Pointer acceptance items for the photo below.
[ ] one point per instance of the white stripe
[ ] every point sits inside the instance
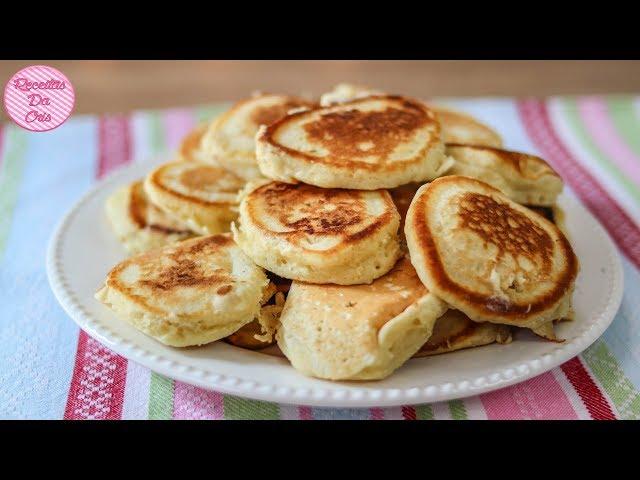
(141, 137)
(587, 160)
(136, 392)
(441, 411)
(393, 413)
(289, 412)
(475, 409)
(572, 394)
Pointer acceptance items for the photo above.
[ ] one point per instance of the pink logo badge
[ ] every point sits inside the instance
(39, 98)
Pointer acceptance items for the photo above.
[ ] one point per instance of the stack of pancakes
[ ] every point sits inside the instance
(347, 234)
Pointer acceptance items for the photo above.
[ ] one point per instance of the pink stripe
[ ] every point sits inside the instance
(593, 111)
(377, 414)
(177, 123)
(97, 386)
(624, 231)
(306, 413)
(115, 143)
(193, 403)
(540, 398)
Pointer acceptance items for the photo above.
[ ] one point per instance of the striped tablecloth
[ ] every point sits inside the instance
(49, 369)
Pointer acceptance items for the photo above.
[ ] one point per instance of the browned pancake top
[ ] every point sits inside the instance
(142, 211)
(308, 210)
(181, 269)
(317, 210)
(355, 133)
(352, 136)
(508, 229)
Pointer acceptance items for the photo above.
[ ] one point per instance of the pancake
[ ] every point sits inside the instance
(230, 139)
(139, 224)
(455, 331)
(460, 128)
(191, 293)
(200, 195)
(491, 258)
(318, 235)
(368, 143)
(524, 178)
(357, 332)
(190, 147)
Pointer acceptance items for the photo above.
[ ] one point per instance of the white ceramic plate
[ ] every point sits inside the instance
(83, 249)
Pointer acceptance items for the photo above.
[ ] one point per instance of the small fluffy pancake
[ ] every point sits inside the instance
(230, 139)
(488, 256)
(368, 143)
(190, 148)
(140, 225)
(191, 293)
(458, 127)
(455, 331)
(524, 178)
(318, 235)
(357, 332)
(199, 194)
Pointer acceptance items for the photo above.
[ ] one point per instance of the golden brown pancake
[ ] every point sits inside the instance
(368, 143)
(190, 293)
(357, 332)
(488, 256)
(319, 235)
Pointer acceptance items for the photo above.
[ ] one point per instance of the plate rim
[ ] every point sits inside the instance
(320, 397)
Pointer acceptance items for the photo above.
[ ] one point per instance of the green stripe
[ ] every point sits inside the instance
(573, 117)
(160, 398)
(424, 412)
(207, 113)
(241, 409)
(624, 119)
(12, 168)
(458, 410)
(607, 371)
(157, 139)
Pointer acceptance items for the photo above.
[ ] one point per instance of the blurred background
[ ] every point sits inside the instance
(113, 86)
